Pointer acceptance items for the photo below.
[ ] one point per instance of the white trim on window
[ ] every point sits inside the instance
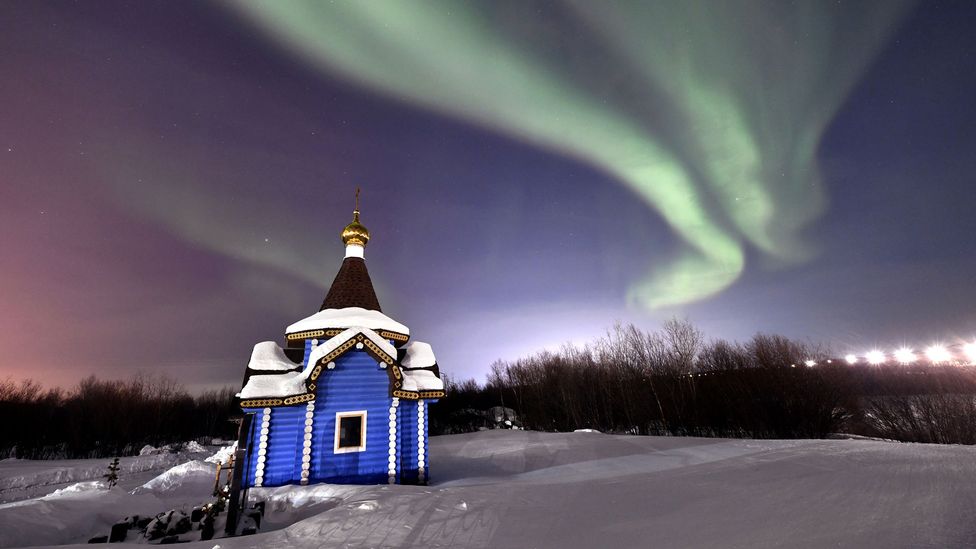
(362, 434)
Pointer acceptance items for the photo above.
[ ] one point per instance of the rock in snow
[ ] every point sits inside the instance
(170, 523)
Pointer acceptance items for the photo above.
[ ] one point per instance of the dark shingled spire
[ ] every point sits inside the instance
(352, 287)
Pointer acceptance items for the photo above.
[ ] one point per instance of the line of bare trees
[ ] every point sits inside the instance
(669, 382)
(675, 382)
(101, 418)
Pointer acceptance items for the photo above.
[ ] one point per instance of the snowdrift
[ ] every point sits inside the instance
(527, 489)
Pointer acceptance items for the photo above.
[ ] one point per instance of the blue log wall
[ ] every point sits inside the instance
(408, 441)
(251, 456)
(287, 423)
(356, 383)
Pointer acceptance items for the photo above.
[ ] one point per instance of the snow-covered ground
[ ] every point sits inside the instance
(527, 489)
(22, 478)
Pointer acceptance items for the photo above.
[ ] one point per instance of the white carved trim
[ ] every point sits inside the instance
(392, 472)
(307, 442)
(421, 462)
(264, 431)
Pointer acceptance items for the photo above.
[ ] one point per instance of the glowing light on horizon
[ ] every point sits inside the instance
(851, 359)
(875, 357)
(905, 355)
(938, 354)
(811, 363)
(969, 349)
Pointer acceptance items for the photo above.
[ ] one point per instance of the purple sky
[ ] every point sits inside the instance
(173, 182)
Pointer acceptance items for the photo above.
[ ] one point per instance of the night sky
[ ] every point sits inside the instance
(174, 176)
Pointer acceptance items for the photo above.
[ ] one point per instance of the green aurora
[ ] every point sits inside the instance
(710, 112)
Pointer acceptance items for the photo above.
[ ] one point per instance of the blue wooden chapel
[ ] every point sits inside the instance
(346, 400)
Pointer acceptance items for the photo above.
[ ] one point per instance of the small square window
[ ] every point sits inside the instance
(350, 435)
(350, 431)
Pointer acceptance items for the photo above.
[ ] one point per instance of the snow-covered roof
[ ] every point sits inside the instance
(419, 355)
(272, 373)
(347, 318)
(421, 380)
(274, 385)
(268, 356)
(334, 342)
(274, 380)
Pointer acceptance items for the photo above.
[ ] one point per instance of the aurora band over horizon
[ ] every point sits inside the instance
(711, 112)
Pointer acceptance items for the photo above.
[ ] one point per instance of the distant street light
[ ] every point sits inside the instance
(905, 355)
(851, 359)
(875, 357)
(937, 354)
(970, 350)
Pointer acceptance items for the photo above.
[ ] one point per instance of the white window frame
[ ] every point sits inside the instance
(362, 435)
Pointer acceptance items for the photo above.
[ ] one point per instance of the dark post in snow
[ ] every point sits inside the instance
(235, 502)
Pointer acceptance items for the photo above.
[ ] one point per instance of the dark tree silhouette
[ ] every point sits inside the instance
(673, 382)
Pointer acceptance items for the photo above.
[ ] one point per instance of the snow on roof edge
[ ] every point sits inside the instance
(285, 383)
(274, 385)
(424, 380)
(348, 317)
(267, 356)
(418, 355)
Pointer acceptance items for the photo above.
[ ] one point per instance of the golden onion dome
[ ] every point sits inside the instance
(355, 232)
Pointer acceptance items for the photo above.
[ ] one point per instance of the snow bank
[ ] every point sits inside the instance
(79, 488)
(194, 447)
(189, 447)
(285, 498)
(223, 455)
(347, 318)
(510, 489)
(192, 471)
(26, 478)
(75, 513)
(849, 436)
